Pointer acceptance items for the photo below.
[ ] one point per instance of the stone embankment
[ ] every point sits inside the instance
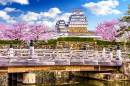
(122, 74)
(68, 46)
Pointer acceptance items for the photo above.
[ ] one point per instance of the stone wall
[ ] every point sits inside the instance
(77, 30)
(68, 46)
(123, 75)
(89, 46)
(16, 46)
(103, 76)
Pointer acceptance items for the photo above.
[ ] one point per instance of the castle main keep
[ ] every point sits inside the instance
(77, 24)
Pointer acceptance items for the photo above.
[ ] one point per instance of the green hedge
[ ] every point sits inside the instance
(128, 43)
(99, 42)
(8, 41)
(76, 39)
(51, 41)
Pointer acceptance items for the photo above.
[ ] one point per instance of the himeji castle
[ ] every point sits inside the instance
(77, 24)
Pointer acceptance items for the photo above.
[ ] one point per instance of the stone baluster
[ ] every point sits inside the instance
(53, 53)
(71, 53)
(11, 50)
(118, 52)
(103, 52)
(31, 49)
(57, 53)
(111, 54)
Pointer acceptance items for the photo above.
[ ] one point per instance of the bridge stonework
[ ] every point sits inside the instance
(18, 69)
(124, 73)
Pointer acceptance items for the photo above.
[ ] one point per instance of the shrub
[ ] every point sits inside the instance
(8, 41)
(51, 41)
(117, 72)
(76, 39)
(99, 42)
(114, 56)
(128, 43)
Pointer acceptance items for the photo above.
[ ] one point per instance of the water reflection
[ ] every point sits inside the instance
(63, 78)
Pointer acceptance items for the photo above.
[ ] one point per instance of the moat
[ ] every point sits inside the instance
(61, 78)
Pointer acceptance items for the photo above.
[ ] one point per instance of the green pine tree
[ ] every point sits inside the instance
(126, 28)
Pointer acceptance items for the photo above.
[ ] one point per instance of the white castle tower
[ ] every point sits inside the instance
(77, 24)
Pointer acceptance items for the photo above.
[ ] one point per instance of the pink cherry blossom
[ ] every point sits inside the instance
(108, 30)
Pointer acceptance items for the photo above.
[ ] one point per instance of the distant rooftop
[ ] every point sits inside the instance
(77, 9)
(61, 21)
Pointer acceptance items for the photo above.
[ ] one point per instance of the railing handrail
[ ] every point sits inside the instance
(60, 53)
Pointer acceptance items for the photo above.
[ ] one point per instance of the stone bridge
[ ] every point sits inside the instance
(15, 61)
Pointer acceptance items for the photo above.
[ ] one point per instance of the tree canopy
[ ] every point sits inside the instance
(125, 29)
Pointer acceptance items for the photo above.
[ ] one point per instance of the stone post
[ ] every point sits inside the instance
(84, 47)
(111, 54)
(71, 53)
(11, 50)
(103, 52)
(53, 54)
(118, 52)
(29, 78)
(31, 49)
(84, 51)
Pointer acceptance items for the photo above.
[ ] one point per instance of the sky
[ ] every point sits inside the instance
(48, 12)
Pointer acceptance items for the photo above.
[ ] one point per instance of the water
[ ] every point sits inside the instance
(63, 79)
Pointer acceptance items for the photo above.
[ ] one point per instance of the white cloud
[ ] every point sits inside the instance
(48, 18)
(52, 13)
(64, 17)
(49, 24)
(31, 22)
(5, 2)
(39, 22)
(28, 17)
(11, 21)
(8, 9)
(43, 17)
(4, 15)
(115, 12)
(102, 7)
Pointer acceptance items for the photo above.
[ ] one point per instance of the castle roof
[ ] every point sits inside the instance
(77, 10)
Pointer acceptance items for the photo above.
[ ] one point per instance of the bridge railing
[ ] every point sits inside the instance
(125, 56)
(57, 54)
(62, 54)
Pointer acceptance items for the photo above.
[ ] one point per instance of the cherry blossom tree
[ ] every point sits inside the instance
(39, 32)
(15, 32)
(108, 30)
(2, 26)
(21, 31)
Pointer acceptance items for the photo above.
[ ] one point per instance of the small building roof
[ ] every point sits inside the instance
(77, 10)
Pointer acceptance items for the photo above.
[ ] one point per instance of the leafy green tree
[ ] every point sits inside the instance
(125, 29)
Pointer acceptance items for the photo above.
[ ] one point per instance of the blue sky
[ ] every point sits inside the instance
(47, 12)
